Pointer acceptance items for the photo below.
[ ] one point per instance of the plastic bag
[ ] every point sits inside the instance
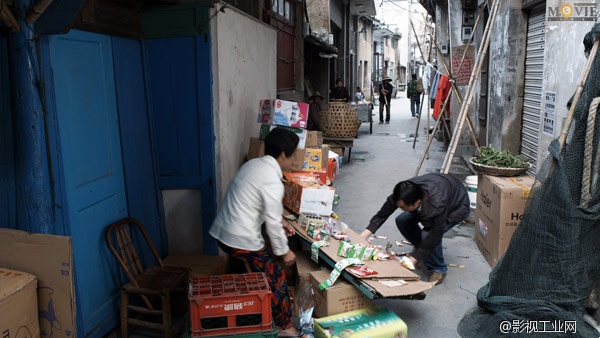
(303, 307)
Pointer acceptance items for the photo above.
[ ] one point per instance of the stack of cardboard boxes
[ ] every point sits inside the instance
(314, 166)
(500, 205)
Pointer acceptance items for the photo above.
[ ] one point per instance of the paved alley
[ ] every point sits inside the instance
(379, 161)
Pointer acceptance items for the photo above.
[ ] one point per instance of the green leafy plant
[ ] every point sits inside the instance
(499, 158)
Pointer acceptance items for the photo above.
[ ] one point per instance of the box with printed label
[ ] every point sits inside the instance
(376, 322)
(500, 205)
(304, 193)
(310, 159)
(283, 113)
(18, 304)
(340, 297)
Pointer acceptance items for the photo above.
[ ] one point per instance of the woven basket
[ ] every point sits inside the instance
(339, 120)
(496, 171)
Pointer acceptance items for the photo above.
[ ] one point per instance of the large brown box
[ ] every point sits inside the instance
(200, 265)
(50, 259)
(500, 205)
(338, 298)
(18, 305)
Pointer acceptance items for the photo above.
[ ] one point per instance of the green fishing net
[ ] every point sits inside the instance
(548, 278)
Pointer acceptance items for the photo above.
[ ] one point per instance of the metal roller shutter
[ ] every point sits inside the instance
(532, 97)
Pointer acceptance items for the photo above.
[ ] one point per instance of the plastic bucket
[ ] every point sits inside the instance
(471, 182)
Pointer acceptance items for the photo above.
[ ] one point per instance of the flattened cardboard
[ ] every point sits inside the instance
(18, 305)
(50, 259)
(385, 269)
(411, 288)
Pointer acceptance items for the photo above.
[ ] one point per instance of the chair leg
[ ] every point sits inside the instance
(166, 314)
(124, 303)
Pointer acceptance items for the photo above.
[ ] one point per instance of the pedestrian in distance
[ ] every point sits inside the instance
(253, 201)
(360, 97)
(385, 99)
(339, 92)
(414, 95)
(314, 112)
(432, 204)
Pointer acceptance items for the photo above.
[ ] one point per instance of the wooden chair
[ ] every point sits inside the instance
(153, 284)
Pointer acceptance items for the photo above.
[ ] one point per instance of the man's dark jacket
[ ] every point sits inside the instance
(387, 86)
(445, 201)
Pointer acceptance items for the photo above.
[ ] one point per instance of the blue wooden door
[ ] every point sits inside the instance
(92, 171)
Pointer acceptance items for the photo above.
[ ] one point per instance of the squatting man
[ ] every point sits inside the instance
(438, 202)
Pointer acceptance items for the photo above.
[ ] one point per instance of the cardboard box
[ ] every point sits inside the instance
(18, 305)
(283, 113)
(338, 298)
(371, 322)
(304, 266)
(311, 159)
(314, 138)
(50, 259)
(199, 265)
(500, 205)
(302, 133)
(304, 193)
(256, 148)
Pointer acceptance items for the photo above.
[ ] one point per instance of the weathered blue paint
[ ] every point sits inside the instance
(180, 97)
(143, 198)
(32, 174)
(82, 100)
(8, 217)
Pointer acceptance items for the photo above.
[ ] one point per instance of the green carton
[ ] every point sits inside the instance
(369, 322)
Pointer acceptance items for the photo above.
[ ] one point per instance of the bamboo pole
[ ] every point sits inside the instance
(423, 94)
(443, 110)
(471, 87)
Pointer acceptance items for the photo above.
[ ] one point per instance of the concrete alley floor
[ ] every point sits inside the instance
(379, 161)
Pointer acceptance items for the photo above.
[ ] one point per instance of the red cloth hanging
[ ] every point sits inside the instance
(443, 90)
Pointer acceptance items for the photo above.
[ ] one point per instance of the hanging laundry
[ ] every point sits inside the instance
(434, 84)
(429, 71)
(443, 89)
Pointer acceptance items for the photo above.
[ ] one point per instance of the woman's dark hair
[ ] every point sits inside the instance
(408, 192)
(414, 76)
(281, 140)
(339, 80)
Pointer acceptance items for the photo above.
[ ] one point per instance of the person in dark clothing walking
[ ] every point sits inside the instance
(414, 95)
(339, 92)
(385, 98)
(438, 202)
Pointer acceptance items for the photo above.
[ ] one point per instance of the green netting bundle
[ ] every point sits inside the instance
(552, 265)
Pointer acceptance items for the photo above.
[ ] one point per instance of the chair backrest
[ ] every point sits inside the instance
(121, 244)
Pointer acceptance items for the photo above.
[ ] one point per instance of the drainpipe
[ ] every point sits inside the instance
(32, 174)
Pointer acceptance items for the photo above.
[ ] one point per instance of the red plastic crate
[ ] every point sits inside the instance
(230, 304)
